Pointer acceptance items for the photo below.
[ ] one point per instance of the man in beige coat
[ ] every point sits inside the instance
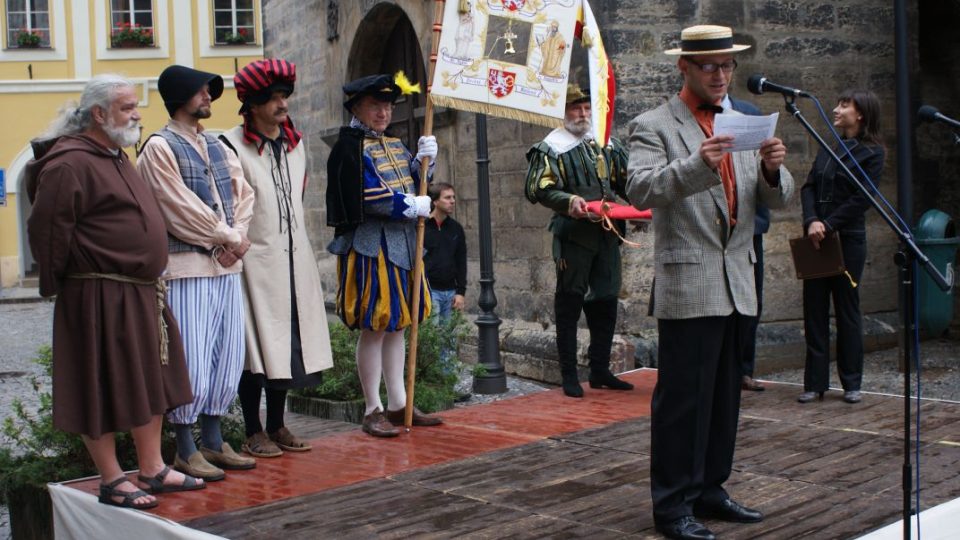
(288, 342)
(703, 198)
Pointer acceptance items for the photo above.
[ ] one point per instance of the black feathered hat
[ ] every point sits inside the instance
(178, 85)
(380, 87)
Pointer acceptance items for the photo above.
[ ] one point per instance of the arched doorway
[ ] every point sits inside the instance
(386, 42)
(27, 266)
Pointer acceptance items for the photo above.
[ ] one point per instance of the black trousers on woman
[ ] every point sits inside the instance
(846, 307)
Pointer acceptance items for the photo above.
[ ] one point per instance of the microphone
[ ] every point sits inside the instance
(926, 113)
(758, 84)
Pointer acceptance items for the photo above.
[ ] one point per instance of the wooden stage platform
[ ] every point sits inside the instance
(547, 466)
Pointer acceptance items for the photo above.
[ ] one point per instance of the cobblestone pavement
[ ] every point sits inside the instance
(24, 327)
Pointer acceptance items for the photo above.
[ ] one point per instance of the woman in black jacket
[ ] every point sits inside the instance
(832, 202)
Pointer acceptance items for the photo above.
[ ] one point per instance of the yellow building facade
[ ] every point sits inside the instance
(52, 47)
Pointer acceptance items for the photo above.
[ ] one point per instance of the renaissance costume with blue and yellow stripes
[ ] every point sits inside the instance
(371, 182)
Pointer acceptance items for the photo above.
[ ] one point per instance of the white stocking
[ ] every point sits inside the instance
(394, 354)
(369, 367)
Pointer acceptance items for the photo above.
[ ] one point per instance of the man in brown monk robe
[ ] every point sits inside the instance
(101, 243)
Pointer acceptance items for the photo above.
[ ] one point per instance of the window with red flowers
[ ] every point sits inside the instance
(28, 24)
(131, 23)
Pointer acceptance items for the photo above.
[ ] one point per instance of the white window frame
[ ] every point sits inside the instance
(205, 29)
(28, 5)
(161, 34)
(233, 23)
(58, 39)
(132, 15)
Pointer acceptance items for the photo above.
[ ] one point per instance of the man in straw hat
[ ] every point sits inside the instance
(207, 205)
(372, 203)
(704, 198)
(567, 169)
(286, 322)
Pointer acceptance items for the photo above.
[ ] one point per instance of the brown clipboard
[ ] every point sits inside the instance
(812, 263)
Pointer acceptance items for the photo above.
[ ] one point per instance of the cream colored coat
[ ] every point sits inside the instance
(266, 285)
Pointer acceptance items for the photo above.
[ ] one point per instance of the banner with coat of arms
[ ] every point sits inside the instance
(507, 58)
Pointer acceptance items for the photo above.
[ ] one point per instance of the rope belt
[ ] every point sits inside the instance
(161, 288)
(608, 225)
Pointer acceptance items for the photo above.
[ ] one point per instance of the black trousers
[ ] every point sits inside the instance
(748, 354)
(846, 307)
(588, 281)
(695, 410)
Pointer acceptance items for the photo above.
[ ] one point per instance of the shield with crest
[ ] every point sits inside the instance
(500, 82)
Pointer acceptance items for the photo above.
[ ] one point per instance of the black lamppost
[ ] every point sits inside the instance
(493, 379)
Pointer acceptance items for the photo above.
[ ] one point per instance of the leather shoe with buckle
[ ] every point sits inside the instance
(685, 528)
(377, 425)
(419, 418)
(749, 383)
(727, 510)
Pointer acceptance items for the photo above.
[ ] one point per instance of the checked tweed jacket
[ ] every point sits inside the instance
(703, 269)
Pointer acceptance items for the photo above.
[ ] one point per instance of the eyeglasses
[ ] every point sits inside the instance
(727, 66)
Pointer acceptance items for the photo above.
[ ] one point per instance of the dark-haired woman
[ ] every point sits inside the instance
(833, 203)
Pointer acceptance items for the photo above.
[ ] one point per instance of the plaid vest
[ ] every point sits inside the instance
(198, 176)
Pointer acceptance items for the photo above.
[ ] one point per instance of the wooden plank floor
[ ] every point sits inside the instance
(546, 466)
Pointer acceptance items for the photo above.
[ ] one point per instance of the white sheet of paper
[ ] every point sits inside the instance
(748, 131)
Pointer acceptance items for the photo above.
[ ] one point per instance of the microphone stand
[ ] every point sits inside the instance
(904, 259)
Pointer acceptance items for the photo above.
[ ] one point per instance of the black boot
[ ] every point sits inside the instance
(566, 308)
(602, 321)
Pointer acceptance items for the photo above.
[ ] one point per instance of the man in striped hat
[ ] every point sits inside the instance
(287, 339)
(207, 205)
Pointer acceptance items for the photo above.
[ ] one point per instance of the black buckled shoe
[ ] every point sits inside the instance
(727, 510)
(685, 528)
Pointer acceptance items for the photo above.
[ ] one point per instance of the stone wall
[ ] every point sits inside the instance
(820, 46)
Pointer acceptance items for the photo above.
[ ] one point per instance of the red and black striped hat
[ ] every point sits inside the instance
(258, 80)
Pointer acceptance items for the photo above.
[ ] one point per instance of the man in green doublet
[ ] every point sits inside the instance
(567, 169)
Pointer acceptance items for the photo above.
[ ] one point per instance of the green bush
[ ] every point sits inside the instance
(434, 387)
(40, 453)
(43, 453)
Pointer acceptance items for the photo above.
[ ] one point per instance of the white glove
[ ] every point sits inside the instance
(417, 206)
(427, 147)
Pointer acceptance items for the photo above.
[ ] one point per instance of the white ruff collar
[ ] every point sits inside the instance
(560, 140)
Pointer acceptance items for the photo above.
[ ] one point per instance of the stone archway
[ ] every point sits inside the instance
(386, 42)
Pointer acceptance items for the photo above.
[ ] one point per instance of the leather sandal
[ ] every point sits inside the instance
(155, 484)
(288, 441)
(259, 445)
(109, 491)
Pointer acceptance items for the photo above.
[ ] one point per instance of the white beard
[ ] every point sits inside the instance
(123, 136)
(578, 129)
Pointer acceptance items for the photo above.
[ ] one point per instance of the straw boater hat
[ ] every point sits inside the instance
(706, 39)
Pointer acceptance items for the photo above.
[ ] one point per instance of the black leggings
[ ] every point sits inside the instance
(251, 386)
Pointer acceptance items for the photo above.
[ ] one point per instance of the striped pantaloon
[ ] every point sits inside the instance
(209, 311)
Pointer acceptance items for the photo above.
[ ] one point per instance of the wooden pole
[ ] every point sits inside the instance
(418, 259)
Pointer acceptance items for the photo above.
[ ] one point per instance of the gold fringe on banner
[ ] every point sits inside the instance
(496, 110)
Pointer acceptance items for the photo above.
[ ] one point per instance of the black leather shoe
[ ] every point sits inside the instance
(599, 379)
(685, 528)
(728, 510)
